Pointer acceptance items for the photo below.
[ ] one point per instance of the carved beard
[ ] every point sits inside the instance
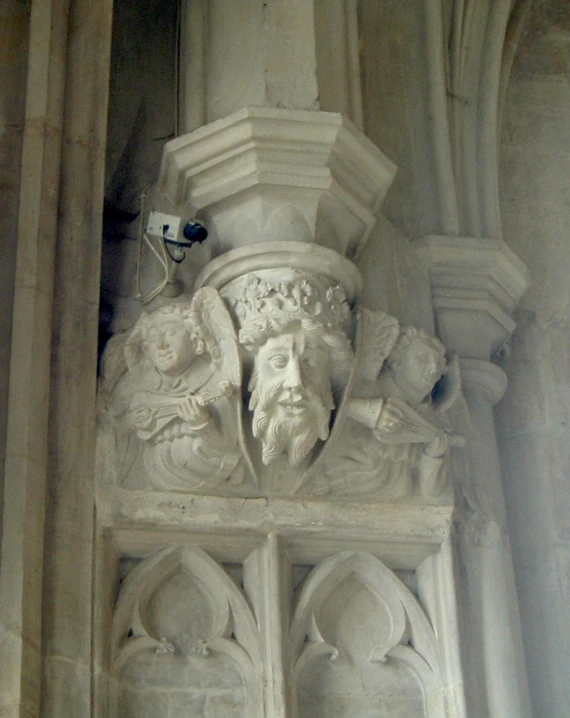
(295, 434)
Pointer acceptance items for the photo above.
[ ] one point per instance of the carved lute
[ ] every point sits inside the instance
(167, 406)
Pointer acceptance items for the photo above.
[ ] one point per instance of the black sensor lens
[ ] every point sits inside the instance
(195, 232)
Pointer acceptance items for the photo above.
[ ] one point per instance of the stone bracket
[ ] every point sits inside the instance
(476, 283)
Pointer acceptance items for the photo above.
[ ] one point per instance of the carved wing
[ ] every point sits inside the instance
(115, 387)
(378, 335)
(113, 365)
(218, 333)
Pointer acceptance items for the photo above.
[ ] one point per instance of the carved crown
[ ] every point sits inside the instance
(277, 298)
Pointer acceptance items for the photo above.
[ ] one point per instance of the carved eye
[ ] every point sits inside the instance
(279, 361)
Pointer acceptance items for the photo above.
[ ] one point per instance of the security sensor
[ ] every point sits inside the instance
(165, 226)
(177, 232)
(172, 236)
(194, 231)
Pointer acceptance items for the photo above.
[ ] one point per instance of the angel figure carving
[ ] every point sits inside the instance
(395, 441)
(175, 397)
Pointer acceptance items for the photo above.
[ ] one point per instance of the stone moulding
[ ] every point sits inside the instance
(401, 534)
(217, 622)
(408, 636)
(316, 162)
(274, 255)
(477, 278)
(484, 377)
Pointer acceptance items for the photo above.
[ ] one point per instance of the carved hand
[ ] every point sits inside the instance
(399, 423)
(438, 446)
(191, 410)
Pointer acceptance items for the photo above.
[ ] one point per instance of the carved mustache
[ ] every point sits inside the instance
(299, 433)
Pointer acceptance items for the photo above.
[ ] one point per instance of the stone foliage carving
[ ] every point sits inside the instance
(278, 386)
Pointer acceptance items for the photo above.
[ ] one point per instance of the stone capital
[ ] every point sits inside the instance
(268, 175)
(476, 283)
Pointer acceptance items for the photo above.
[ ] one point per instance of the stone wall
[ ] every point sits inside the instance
(534, 417)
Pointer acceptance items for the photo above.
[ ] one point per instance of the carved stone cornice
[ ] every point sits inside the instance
(265, 174)
(476, 283)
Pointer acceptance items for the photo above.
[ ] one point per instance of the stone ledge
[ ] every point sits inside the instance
(402, 535)
(476, 284)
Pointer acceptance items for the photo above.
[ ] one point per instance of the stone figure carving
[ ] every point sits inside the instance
(176, 396)
(317, 412)
(395, 438)
(293, 330)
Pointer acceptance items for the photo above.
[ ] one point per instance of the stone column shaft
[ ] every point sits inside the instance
(25, 470)
(67, 617)
(486, 555)
(475, 286)
(290, 54)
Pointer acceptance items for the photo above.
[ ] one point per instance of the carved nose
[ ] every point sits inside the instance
(293, 377)
(162, 344)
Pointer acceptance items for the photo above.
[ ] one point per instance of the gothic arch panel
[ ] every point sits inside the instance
(184, 641)
(360, 642)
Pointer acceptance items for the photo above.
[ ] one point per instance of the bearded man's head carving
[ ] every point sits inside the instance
(299, 367)
(293, 328)
(291, 396)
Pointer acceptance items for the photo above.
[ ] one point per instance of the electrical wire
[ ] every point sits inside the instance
(177, 44)
(165, 254)
(163, 259)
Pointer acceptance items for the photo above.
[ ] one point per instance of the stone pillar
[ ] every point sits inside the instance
(291, 54)
(494, 625)
(475, 286)
(67, 615)
(31, 207)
